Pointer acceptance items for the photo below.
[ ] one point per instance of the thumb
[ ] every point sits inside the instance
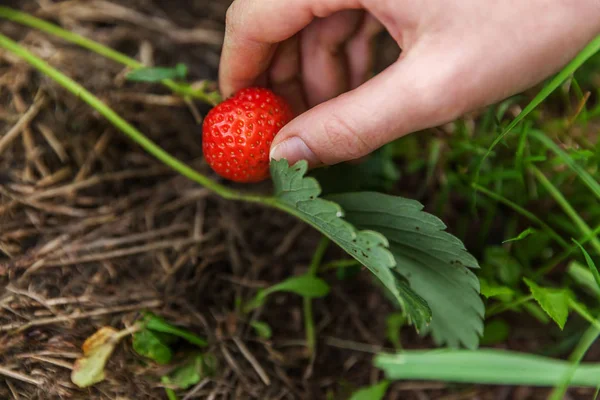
(415, 93)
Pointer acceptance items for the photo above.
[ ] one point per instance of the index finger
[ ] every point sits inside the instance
(255, 27)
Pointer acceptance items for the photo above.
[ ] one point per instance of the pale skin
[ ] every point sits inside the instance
(457, 56)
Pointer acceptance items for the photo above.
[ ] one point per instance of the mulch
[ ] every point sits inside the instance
(93, 231)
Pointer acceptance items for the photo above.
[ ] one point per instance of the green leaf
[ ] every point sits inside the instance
(257, 301)
(299, 196)
(375, 392)
(435, 263)
(555, 302)
(191, 372)
(97, 349)
(484, 366)
(304, 285)
(156, 323)
(393, 325)
(527, 232)
(157, 74)
(262, 329)
(307, 285)
(584, 277)
(188, 374)
(590, 263)
(378, 172)
(492, 290)
(420, 313)
(147, 344)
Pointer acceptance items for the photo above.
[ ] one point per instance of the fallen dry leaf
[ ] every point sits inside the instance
(89, 369)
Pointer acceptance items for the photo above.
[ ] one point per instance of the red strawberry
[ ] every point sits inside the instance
(237, 134)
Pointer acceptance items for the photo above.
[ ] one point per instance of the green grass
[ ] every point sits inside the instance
(545, 176)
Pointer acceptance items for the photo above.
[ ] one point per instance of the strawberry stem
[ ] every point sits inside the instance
(211, 98)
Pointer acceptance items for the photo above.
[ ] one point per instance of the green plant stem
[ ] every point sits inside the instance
(567, 208)
(127, 128)
(500, 308)
(309, 323)
(527, 214)
(40, 24)
(171, 395)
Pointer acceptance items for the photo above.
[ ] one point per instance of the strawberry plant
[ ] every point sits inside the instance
(426, 270)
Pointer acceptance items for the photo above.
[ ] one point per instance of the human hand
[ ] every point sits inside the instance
(457, 56)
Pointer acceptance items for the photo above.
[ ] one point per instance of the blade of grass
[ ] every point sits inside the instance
(501, 307)
(565, 254)
(527, 214)
(585, 176)
(484, 366)
(582, 276)
(567, 208)
(44, 26)
(592, 48)
(521, 148)
(590, 263)
(524, 234)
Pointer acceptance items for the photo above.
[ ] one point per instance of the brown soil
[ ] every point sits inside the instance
(93, 231)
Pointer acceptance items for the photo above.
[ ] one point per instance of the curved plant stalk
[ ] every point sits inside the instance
(309, 323)
(550, 265)
(138, 137)
(127, 128)
(529, 215)
(148, 145)
(566, 206)
(211, 98)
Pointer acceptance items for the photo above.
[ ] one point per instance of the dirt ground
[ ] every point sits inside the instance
(93, 230)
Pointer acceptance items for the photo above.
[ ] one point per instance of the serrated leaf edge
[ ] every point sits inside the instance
(301, 167)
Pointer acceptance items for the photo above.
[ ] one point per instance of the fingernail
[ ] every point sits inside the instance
(294, 149)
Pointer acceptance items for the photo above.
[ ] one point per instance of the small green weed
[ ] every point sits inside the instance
(528, 178)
